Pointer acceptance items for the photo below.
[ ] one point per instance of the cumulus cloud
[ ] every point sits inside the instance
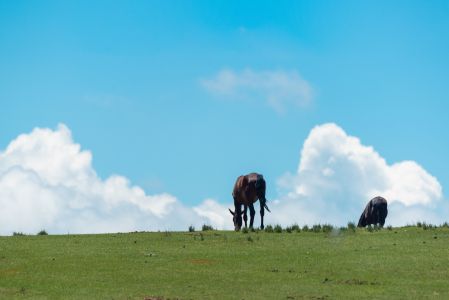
(337, 175)
(48, 182)
(280, 89)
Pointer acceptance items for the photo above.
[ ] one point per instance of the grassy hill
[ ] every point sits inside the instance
(401, 263)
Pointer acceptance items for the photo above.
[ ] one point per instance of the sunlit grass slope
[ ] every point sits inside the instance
(400, 263)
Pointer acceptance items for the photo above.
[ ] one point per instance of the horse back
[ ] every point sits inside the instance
(244, 191)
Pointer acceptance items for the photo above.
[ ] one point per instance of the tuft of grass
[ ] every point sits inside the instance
(42, 232)
(191, 228)
(351, 226)
(249, 239)
(295, 227)
(316, 228)
(389, 227)
(426, 226)
(370, 228)
(207, 227)
(245, 230)
(278, 228)
(444, 225)
(269, 229)
(327, 228)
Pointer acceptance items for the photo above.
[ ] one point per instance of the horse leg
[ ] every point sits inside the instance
(252, 213)
(245, 217)
(262, 212)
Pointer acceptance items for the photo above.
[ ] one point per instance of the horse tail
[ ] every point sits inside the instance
(264, 204)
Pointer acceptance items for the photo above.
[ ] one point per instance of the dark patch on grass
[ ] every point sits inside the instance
(42, 232)
(351, 282)
(358, 282)
(245, 230)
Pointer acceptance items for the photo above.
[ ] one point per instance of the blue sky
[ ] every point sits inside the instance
(127, 78)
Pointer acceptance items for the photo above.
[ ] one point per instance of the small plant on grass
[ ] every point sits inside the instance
(207, 227)
(249, 239)
(389, 227)
(305, 228)
(370, 228)
(245, 230)
(278, 228)
(42, 232)
(191, 228)
(269, 229)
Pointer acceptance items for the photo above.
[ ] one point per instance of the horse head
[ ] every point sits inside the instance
(236, 219)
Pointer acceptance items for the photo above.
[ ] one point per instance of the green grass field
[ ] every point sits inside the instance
(401, 263)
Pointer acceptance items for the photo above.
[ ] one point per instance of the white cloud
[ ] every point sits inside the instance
(337, 175)
(280, 89)
(48, 182)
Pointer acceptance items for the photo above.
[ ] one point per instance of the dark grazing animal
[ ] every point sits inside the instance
(247, 190)
(375, 212)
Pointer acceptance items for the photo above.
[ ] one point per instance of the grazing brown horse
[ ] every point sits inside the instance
(375, 212)
(247, 190)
